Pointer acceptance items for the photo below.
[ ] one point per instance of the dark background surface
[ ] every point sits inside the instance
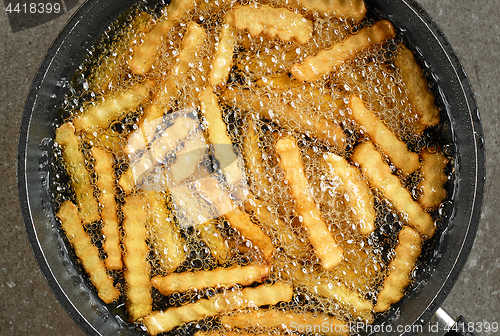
(27, 305)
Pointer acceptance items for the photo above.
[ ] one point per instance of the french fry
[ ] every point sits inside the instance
(145, 54)
(136, 274)
(380, 177)
(433, 179)
(359, 195)
(164, 321)
(326, 248)
(223, 61)
(419, 94)
(166, 236)
(400, 268)
(86, 252)
(181, 282)
(106, 184)
(78, 174)
(395, 149)
(354, 9)
(269, 21)
(326, 61)
(288, 321)
(219, 249)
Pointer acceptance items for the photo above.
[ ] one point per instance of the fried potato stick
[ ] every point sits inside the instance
(269, 21)
(326, 248)
(136, 274)
(395, 149)
(359, 195)
(164, 321)
(326, 61)
(145, 54)
(78, 174)
(223, 61)
(86, 252)
(380, 177)
(400, 268)
(211, 236)
(288, 321)
(354, 9)
(433, 179)
(181, 282)
(104, 169)
(419, 94)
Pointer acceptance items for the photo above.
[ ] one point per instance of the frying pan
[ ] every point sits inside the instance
(64, 275)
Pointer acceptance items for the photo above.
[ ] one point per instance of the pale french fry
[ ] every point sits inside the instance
(164, 321)
(269, 21)
(326, 248)
(395, 149)
(419, 94)
(354, 9)
(86, 252)
(288, 321)
(166, 236)
(380, 177)
(181, 282)
(80, 178)
(144, 55)
(433, 179)
(326, 61)
(136, 274)
(400, 268)
(110, 226)
(219, 249)
(112, 107)
(223, 61)
(359, 195)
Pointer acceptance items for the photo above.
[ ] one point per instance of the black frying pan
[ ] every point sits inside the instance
(65, 276)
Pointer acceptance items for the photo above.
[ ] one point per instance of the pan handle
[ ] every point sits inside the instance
(442, 324)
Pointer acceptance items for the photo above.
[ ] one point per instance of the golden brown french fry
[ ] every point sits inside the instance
(359, 195)
(354, 9)
(288, 321)
(326, 61)
(80, 178)
(400, 268)
(136, 274)
(86, 252)
(211, 236)
(380, 177)
(395, 149)
(433, 179)
(181, 282)
(269, 21)
(145, 54)
(326, 248)
(110, 226)
(166, 320)
(417, 86)
(165, 234)
(223, 61)
(113, 106)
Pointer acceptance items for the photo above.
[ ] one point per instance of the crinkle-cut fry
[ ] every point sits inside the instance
(353, 9)
(212, 237)
(250, 297)
(181, 282)
(286, 116)
(269, 21)
(288, 321)
(325, 246)
(80, 177)
(165, 234)
(433, 179)
(400, 268)
(419, 94)
(113, 106)
(223, 61)
(104, 169)
(379, 133)
(135, 257)
(86, 252)
(145, 54)
(327, 60)
(359, 195)
(380, 177)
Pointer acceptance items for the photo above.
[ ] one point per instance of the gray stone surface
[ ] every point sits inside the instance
(28, 307)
